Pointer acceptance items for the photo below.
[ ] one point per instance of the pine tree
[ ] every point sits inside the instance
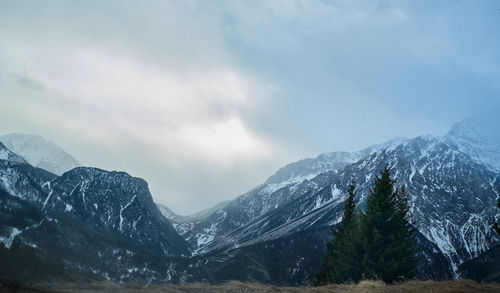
(496, 226)
(405, 236)
(388, 239)
(342, 259)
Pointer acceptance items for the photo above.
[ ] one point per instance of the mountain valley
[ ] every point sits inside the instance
(105, 225)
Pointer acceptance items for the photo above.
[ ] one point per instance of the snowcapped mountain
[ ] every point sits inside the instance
(8, 155)
(167, 213)
(105, 223)
(452, 183)
(311, 167)
(479, 143)
(40, 152)
(87, 221)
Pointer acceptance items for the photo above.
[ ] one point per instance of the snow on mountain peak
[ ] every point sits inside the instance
(310, 167)
(6, 154)
(40, 152)
(466, 129)
(476, 140)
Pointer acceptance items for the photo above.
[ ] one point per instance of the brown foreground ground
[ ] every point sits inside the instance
(237, 287)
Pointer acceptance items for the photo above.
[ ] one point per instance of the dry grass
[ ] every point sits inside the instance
(238, 287)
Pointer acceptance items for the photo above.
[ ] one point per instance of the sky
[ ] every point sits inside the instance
(207, 99)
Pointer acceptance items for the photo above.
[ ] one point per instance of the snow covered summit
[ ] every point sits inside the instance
(40, 152)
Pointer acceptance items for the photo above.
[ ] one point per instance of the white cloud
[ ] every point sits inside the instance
(120, 90)
(219, 138)
(206, 99)
(118, 109)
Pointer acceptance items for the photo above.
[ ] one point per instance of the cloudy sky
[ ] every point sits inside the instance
(206, 99)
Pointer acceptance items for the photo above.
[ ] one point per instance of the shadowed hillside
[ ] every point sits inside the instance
(237, 287)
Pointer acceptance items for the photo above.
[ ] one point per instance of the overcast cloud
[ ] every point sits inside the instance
(206, 99)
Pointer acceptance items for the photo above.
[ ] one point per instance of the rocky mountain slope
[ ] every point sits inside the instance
(105, 223)
(87, 220)
(451, 180)
(40, 152)
(485, 268)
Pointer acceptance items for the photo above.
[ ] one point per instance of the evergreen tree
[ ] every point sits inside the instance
(405, 236)
(388, 238)
(342, 259)
(496, 226)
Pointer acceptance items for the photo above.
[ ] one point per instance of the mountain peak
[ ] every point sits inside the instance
(481, 130)
(8, 155)
(40, 152)
(477, 139)
(467, 129)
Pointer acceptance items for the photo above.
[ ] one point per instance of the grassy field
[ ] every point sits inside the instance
(237, 287)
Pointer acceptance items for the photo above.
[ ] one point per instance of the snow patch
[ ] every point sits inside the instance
(121, 212)
(48, 196)
(203, 239)
(8, 241)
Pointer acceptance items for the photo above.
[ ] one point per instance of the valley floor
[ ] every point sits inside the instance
(237, 287)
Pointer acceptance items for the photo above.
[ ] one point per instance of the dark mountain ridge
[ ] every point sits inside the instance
(451, 180)
(106, 224)
(87, 220)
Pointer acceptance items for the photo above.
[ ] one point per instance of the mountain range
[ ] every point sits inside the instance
(99, 224)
